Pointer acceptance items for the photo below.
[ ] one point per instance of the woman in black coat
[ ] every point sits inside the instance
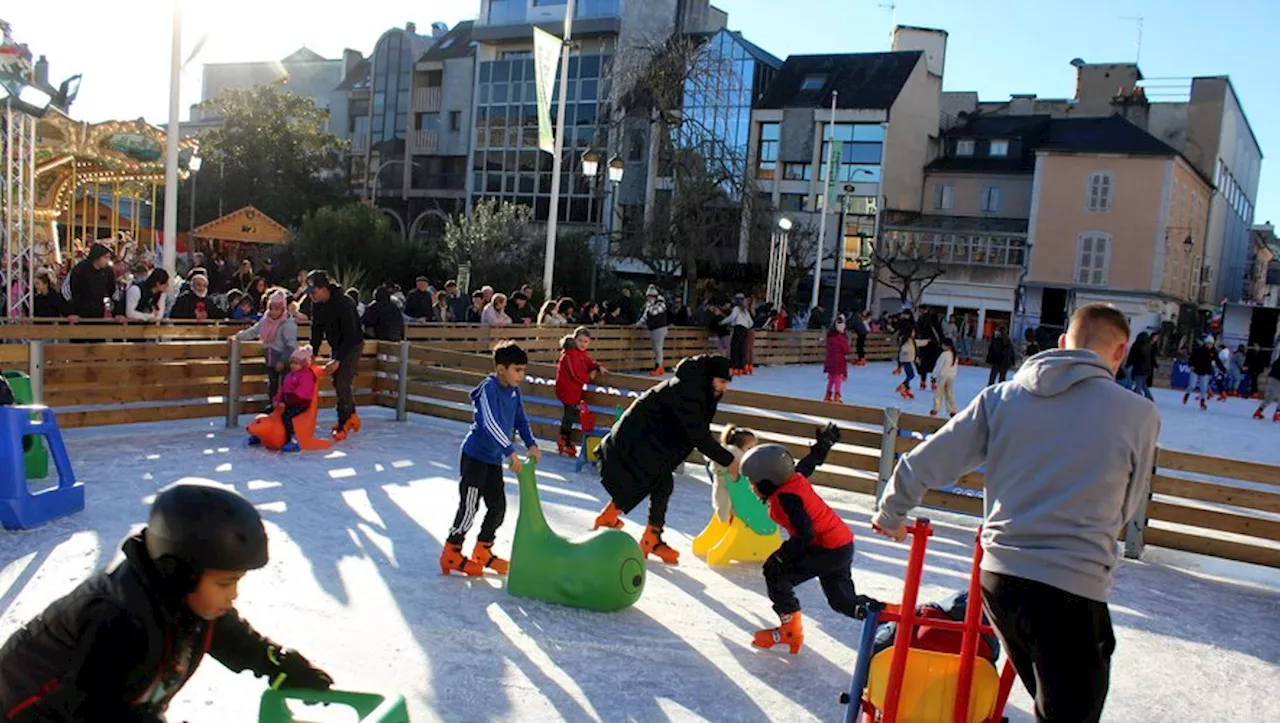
(1142, 365)
(1000, 356)
(654, 436)
(48, 301)
(384, 317)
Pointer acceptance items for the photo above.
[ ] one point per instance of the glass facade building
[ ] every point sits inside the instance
(392, 80)
(507, 162)
(726, 79)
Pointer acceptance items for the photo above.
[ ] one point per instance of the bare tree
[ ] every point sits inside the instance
(686, 92)
(907, 267)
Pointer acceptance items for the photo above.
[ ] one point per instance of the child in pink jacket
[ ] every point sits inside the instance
(296, 393)
(836, 366)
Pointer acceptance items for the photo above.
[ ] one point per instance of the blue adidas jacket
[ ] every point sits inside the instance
(498, 411)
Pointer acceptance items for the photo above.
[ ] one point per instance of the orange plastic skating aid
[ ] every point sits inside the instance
(609, 518)
(651, 544)
(484, 557)
(789, 633)
(451, 560)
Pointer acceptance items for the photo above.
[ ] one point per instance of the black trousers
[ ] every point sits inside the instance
(568, 419)
(1001, 372)
(627, 491)
(275, 377)
(1060, 644)
(738, 347)
(342, 380)
(831, 567)
(861, 346)
(479, 480)
(290, 412)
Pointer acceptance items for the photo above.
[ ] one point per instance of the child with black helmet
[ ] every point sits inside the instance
(819, 545)
(123, 643)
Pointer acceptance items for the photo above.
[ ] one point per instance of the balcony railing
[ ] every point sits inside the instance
(359, 142)
(427, 100)
(974, 249)
(424, 142)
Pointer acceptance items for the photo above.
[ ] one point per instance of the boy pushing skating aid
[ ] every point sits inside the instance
(820, 543)
(123, 643)
(499, 408)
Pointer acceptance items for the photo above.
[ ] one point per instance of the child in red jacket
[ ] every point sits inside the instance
(296, 392)
(574, 370)
(820, 543)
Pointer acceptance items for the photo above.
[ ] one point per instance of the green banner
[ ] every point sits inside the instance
(546, 60)
(833, 173)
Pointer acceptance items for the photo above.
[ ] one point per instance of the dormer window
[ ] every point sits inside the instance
(813, 83)
(964, 147)
(999, 148)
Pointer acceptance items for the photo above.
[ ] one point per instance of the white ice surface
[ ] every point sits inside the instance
(354, 583)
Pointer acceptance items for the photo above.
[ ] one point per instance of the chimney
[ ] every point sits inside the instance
(1022, 104)
(411, 28)
(42, 71)
(439, 30)
(349, 60)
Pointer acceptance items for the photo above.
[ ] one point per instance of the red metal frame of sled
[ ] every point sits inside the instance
(905, 616)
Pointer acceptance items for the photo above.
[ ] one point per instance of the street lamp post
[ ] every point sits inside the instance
(615, 169)
(193, 166)
(778, 245)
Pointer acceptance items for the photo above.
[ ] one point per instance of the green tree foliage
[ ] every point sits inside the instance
(356, 243)
(271, 151)
(498, 243)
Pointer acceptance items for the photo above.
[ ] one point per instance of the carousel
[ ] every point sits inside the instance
(67, 184)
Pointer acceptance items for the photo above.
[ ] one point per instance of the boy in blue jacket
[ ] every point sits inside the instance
(499, 409)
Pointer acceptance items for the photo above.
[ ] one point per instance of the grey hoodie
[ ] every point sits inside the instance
(1068, 455)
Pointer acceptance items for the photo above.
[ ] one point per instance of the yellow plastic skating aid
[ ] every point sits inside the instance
(710, 536)
(725, 542)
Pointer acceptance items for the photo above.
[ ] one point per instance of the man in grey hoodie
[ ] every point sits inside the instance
(1068, 458)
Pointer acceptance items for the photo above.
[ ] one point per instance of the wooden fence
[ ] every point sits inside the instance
(1220, 507)
(618, 348)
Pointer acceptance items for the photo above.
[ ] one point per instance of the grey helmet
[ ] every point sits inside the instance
(768, 466)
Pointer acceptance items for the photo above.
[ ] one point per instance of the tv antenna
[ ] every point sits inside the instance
(1138, 45)
(893, 18)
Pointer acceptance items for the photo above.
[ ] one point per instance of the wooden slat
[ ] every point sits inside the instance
(103, 417)
(1214, 547)
(168, 351)
(13, 354)
(1215, 520)
(1219, 466)
(1210, 492)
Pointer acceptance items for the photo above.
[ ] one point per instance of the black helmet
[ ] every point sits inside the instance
(198, 527)
(768, 466)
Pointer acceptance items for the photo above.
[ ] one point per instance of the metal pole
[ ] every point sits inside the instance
(549, 263)
(888, 450)
(402, 383)
(192, 226)
(822, 223)
(841, 254)
(173, 133)
(35, 369)
(233, 385)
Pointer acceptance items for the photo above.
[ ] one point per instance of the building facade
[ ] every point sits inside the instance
(1117, 216)
(1201, 118)
(303, 72)
(886, 121)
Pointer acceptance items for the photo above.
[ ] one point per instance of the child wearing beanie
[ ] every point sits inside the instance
(296, 393)
(278, 332)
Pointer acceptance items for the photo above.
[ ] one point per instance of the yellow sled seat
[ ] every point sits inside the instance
(725, 542)
(929, 686)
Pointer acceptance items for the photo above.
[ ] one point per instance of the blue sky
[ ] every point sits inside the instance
(996, 47)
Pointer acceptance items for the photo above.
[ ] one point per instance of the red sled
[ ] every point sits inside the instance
(909, 684)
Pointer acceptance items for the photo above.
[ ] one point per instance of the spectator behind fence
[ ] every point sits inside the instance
(459, 302)
(48, 302)
(494, 313)
(476, 310)
(384, 317)
(567, 308)
(92, 283)
(144, 300)
(195, 303)
(417, 305)
(520, 311)
(245, 276)
(550, 316)
(442, 312)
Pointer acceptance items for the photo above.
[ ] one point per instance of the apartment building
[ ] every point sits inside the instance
(303, 72)
(886, 120)
(1202, 118)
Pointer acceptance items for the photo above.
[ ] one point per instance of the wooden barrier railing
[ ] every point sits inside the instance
(1209, 505)
(618, 348)
(1228, 509)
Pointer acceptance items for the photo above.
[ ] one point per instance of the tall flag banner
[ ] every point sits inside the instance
(546, 60)
(833, 173)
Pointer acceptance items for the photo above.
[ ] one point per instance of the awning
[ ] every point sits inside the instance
(248, 225)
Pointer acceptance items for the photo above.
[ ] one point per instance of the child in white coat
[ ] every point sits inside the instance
(945, 373)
